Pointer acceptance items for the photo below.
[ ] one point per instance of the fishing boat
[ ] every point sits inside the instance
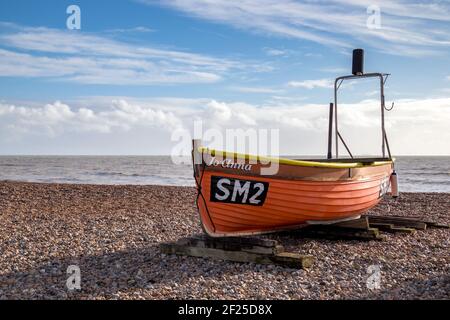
(237, 197)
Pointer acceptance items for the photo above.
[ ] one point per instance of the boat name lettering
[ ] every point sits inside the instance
(229, 190)
(229, 164)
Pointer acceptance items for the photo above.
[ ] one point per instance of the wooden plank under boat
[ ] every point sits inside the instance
(235, 198)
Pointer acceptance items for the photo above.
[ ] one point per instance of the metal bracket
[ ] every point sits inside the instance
(345, 145)
(337, 84)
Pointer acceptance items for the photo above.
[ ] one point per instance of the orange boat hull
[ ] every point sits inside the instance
(232, 202)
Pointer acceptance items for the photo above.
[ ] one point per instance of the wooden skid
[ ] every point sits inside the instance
(357, 229)
(405, 222)
(386, 227)
(368, 227)
(437, 225)
(335, 232)
(246, 244)
(255, 250)
(266, 251)
(360, 224)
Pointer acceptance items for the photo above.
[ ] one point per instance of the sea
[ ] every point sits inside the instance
(416, 174)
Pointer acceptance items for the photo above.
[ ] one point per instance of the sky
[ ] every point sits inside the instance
(139, 74)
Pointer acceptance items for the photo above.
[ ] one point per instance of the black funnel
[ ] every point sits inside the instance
(358, 62)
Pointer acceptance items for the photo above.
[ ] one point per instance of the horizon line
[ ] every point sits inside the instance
(188, 155)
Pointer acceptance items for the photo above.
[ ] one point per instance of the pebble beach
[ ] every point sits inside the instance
(113, 234)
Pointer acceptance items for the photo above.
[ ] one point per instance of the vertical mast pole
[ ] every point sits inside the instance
(330, 132)
(382, 116)
(335, 119)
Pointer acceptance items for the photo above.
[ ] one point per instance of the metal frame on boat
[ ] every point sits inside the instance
(333, 110)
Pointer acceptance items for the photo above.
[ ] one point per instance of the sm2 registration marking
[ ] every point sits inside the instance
(229, 190)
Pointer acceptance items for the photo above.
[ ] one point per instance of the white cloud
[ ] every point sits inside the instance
(257, 90)
(430, 10)
(313, 54)
(336, 23)
(98, 70)
(57, 118)
(372, 93)
(131, 30)
(311, 84)
(86, 58)
(133, 126)
(334, 70)
(275, 52)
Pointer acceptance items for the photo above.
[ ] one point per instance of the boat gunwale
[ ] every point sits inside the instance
(301, 163)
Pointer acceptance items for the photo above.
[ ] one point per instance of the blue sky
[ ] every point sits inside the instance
(192, 54)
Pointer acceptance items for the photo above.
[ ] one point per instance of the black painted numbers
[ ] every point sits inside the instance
(229, 190)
